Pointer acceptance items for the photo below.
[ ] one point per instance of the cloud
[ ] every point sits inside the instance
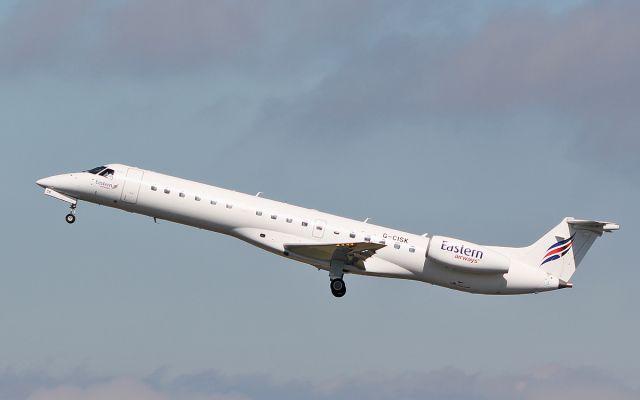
(580, 65)
(39, 32)
(544, 383)
(348, 69)
(170, 37)
(133, 37)
(576, 68)
(152, 34)
(579, 59)
(124, 389)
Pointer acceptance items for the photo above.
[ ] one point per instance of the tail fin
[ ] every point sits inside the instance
(561, 250)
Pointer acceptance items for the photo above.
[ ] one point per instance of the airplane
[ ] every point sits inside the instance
(332, 243)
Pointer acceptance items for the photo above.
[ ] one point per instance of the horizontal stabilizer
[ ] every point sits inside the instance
(594, 226)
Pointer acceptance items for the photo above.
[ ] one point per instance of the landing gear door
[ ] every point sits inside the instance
(132, 185)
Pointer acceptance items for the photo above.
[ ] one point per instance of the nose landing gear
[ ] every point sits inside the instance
(71, 217)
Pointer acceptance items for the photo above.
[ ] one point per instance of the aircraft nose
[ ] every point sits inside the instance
(45, 182)
(56, 181)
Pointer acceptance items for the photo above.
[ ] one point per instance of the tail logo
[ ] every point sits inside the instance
(557, 250)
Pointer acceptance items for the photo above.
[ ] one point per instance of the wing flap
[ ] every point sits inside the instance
(337, 251)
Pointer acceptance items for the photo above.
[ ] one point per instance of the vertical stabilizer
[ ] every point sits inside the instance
(561, 250)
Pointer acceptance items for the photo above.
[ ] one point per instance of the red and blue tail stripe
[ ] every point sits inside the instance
(558, 250)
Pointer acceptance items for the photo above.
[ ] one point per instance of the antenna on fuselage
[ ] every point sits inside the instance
(258, 194)
(366, 220)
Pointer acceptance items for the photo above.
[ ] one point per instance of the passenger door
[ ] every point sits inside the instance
(132, 185)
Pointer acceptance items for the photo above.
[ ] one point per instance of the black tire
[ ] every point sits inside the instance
(338, 288)
(70, 218)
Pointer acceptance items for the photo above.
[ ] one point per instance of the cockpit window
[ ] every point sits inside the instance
(96, 170)
(107, 173)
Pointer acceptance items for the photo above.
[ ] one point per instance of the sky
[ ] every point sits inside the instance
(488, 121)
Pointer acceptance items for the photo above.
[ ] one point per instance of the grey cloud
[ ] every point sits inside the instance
(124, 389)
(151, 34)
(547, 382)
(586, 57)
(583, 60)
(577, 68)
(361, 67)
(581, 65)
(160, 37)
(20, 384)
(377, 87)
(38, 32)
(140, 36)
(179, 37)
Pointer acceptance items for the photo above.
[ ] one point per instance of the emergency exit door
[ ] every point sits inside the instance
(318, 228)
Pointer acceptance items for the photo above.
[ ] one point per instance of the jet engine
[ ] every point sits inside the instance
(466, 256)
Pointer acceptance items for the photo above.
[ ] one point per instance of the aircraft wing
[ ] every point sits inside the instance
(350, 253)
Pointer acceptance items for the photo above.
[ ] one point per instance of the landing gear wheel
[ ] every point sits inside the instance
(338, 288)
(70, 218)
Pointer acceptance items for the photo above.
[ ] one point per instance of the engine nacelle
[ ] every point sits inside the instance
(466, 256)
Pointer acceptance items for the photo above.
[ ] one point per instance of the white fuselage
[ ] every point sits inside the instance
(273, 225)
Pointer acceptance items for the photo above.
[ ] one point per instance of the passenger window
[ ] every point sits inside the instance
(229, 206)
(213, 202)
(336, 232)
(274, 217)
(289, 220)
(382, 242)
(367, 239)
(154, 188)
(197, 198)
(397, 246)
(258, 213)
(181, 194)
(352, 235)
(412, 250)
(305, 223)
(167, 191)
(318, 227)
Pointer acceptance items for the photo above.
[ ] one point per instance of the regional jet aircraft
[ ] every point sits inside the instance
(335, 244)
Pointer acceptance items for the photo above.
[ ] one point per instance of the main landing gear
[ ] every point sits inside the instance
(71, 217)
(336, 272)
(338, 288)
